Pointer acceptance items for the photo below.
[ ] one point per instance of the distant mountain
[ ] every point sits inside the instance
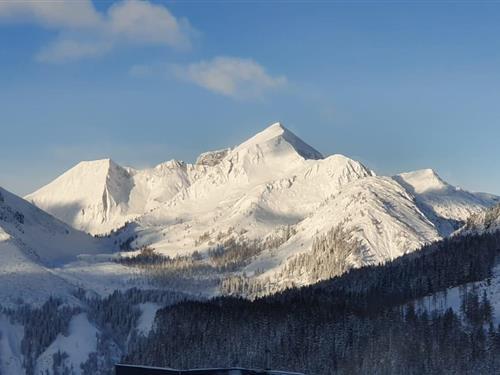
(98, 196)
(273, 191)
(448, 206)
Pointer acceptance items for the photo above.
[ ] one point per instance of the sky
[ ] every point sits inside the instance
(398, 85)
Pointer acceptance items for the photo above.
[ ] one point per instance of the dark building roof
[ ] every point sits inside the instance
(122, 369)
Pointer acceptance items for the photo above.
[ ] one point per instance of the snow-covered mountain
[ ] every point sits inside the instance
(448, 206)
(253, 192)
(98, 196)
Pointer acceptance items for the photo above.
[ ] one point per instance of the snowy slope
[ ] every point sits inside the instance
(42, 236)
(452, 297)
(80, 341)
(41, 256)
(146, 320)
(376, 210)
(11, 334)
(487, 221)
(23, 279)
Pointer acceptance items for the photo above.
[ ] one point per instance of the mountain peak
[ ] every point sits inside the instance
(274, 135)
(88, 191)
(105, 163)
(422, 180)
(277, 126)
(95, 172)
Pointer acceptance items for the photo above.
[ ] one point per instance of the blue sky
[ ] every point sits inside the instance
(397, 85)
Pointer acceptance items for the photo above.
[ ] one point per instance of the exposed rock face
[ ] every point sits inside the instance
(212, 158)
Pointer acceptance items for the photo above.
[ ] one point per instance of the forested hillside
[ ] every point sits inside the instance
(362, 322)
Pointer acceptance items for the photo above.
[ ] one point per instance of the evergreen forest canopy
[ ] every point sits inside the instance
(362, 322)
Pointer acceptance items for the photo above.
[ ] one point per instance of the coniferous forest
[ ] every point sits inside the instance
(364, 322)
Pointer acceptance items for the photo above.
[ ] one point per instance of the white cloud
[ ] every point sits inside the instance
(230, 76)
(143, 22)
(85, 32)
(53, 14)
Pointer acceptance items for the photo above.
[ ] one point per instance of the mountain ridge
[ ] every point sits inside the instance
(252, 192)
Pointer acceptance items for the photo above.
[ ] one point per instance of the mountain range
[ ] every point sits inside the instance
(274, 191)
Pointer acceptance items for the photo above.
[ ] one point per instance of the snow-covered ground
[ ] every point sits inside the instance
(78, 344)
(452, 297)
(11, 335)
(41, 256)
(23, 279)
(146, 320)
(42, 236)
(442, 201)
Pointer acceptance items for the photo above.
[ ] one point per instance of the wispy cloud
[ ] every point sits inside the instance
(230, 76)
(70, 49)
(86, 32)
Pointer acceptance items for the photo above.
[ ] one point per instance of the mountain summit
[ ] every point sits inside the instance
(423, 181)
(91, 193)
(277, 138)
